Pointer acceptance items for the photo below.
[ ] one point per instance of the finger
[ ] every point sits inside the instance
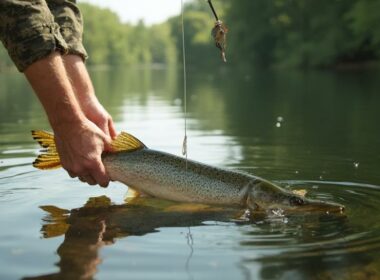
(111, 128)
(72, 174)
(100, 174)
(90, 180)
(107, 142)
(104, 127)
(87, 179)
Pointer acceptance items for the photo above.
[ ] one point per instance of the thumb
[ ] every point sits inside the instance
(112, 129)
(104, 127)
(107, 142)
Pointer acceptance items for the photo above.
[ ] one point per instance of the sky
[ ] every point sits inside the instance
(151, 11)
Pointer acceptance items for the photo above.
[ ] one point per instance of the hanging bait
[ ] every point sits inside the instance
(219, 33)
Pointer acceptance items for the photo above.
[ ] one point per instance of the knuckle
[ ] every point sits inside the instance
(92, 165)
(88, 164)
(104, 184)
(77, 169)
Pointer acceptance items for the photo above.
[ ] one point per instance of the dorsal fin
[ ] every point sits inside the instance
(126, 142)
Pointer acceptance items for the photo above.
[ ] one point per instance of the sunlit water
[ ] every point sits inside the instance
(316, 131)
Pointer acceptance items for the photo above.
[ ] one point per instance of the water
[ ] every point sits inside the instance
(316, 131)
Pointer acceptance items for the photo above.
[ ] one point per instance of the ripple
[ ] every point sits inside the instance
(307, 236)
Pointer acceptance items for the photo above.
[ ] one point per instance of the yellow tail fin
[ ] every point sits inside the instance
(49, 158)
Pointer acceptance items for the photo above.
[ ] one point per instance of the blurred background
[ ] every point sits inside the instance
(281, 33)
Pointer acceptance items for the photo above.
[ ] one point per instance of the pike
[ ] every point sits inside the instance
(165, 176)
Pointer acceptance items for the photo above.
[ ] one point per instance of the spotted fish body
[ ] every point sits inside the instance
(167, 176)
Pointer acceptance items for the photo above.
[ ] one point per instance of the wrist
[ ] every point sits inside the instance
(87, 99)
(74, 121)
(66, 114)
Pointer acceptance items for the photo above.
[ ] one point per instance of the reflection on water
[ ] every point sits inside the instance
(98, 223)
(281, 244)
(305, 130)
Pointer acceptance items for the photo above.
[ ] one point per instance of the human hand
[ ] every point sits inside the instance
(96, 113)
(64, 88)
(80, 147)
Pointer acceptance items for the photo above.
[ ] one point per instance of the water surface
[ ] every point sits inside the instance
(304, 130)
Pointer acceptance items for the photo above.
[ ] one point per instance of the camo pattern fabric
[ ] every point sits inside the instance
(32, 29)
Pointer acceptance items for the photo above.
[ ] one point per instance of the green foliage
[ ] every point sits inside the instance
(162, 45)
(108, 41)
(287, 33)
(5, 61)
(305, 33)
(364, 21)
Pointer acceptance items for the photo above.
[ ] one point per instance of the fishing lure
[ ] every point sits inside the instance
(219, 33)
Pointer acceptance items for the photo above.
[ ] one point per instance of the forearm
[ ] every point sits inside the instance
(80, 80)
(85, 94)
(49, 81)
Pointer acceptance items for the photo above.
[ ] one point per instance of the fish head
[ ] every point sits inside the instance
(267, 196)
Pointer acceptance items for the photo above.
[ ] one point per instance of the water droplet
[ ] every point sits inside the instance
(278, 212)
(356, 164)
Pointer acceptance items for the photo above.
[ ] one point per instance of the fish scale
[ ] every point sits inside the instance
(148, 171)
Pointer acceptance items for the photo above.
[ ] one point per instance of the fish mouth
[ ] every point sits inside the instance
(297, 204)
(313, 207)
(323, 207)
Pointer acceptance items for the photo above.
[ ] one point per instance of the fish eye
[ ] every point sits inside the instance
(296, 201)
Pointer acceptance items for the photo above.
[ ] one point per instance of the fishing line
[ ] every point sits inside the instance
(213, 10)
(184, 144)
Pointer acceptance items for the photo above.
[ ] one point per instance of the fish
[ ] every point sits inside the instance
(167, 176)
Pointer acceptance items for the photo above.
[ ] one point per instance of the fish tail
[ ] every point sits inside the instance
(49, 158)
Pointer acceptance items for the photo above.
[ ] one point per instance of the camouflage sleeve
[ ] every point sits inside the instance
(30, 31)
(69, 18)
